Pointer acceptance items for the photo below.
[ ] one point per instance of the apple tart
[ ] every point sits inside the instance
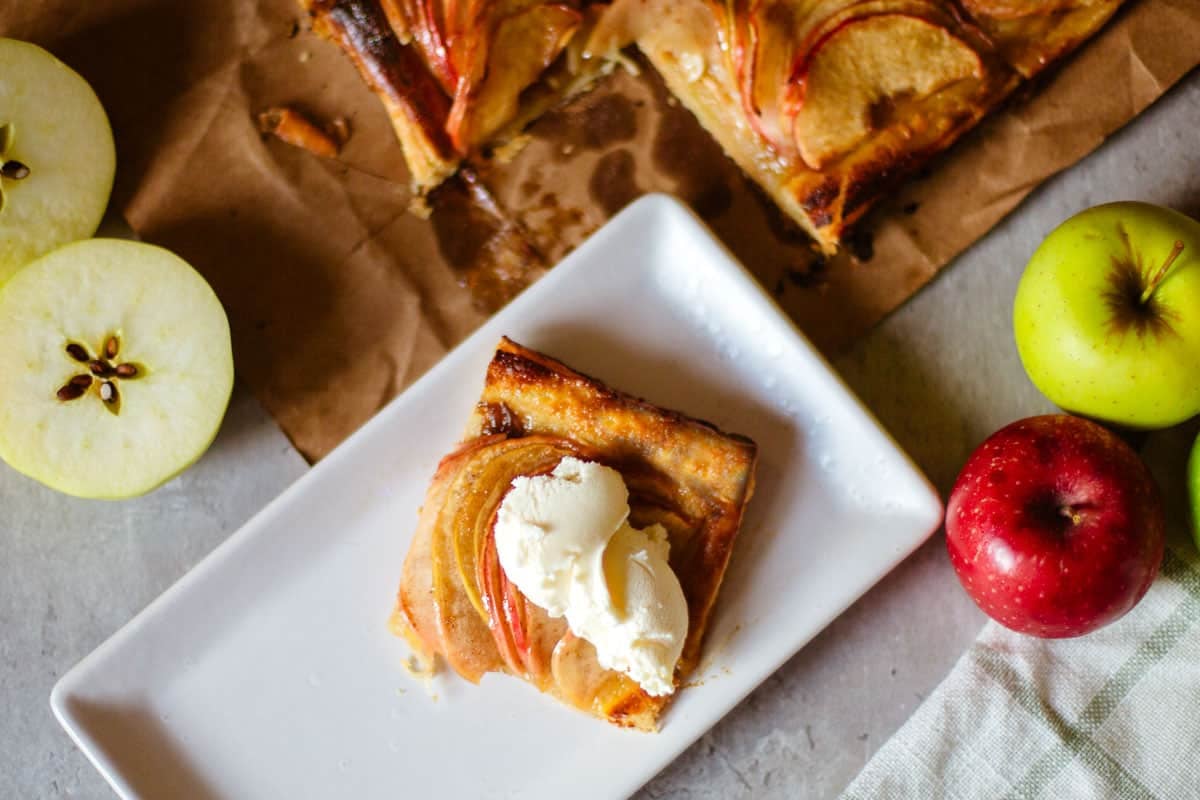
(824, 103)
(457, 76)
(457, 604)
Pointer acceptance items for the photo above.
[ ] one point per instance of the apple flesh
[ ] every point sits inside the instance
(1055, 526)
(863, 70)
(56, 155)
(1107, 315)
(117, 365)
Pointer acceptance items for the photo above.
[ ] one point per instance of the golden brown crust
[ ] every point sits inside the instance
(681, 473)
(1031, 34)
(297, 129)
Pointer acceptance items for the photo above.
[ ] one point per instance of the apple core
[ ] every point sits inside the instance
(102, 368)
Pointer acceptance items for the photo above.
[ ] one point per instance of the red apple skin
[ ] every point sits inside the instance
(1055, 526)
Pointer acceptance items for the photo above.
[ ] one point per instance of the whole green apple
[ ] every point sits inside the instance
(1194, 488)
(1107, 315)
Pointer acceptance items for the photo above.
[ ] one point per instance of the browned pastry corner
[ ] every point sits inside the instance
(455, 602)
(1031, 34)
(415, 103)
(825, 103)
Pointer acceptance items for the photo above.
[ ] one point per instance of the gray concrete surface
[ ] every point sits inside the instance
(941, 374)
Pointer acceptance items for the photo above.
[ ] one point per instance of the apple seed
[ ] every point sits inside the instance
(99, 368)
(71, 391)
(77, 352)
(14, 170)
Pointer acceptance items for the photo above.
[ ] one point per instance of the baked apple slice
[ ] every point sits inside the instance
(869, 74)
(419, 22)
(507, 60)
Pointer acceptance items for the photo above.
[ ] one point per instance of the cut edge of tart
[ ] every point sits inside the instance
(456, 605)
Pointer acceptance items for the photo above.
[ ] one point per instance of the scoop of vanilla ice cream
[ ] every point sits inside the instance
(547, 523)
(630, 606)
(564, 539)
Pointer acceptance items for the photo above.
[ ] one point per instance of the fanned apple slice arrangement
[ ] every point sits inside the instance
(456, 600)
(117, 358)
(819, 84)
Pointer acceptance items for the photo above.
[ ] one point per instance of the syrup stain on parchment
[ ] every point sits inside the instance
(593, 122)
(488, 250)
(688, 154)
(613, 184)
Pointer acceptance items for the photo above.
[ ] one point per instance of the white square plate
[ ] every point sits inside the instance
(268, 672)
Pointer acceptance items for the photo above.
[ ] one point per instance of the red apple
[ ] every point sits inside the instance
(1055, 526)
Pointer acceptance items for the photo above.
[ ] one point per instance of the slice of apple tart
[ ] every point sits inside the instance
(826, 103)
(577, 539)
(458, 75)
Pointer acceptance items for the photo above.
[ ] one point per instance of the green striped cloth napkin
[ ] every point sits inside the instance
(1115, 714)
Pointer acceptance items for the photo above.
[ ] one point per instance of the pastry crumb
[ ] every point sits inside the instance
(299, 130)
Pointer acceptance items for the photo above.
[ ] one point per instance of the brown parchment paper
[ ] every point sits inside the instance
(339, 298)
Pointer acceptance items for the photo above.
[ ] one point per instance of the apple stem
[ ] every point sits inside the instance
(1071, 513)
(1162, 271)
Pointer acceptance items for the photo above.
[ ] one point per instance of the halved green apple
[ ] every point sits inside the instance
(118, 368)
(56, 155)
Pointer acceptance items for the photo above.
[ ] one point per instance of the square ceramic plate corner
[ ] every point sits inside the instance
(268, 671)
